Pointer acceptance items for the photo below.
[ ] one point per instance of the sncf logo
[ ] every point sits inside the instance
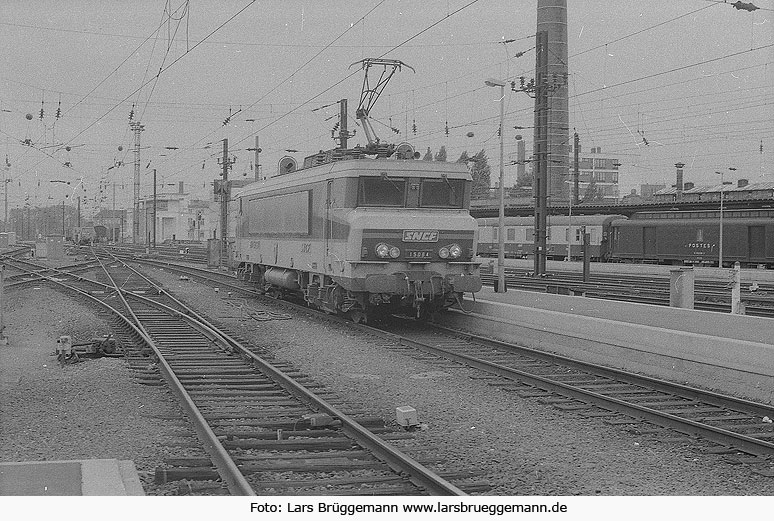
(420, 235)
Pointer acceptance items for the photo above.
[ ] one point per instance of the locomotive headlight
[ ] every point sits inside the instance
(394, 252)
(455, 251)
(382, 250)
(443, 253)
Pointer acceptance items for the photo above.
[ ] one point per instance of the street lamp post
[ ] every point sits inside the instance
(491, 82)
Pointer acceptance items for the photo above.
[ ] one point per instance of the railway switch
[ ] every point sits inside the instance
(64, 351)
(64, 345)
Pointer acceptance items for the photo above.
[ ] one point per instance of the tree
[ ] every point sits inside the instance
(479, 169)
(525, 179)
(428, 155)
(593, 192)
(441, 155)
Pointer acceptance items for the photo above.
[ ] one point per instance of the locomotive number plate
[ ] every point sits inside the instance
(418, 254)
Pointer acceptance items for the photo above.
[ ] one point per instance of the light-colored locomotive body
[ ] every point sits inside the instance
(361, 236)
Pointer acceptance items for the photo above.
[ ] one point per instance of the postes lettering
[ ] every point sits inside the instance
(420, 235)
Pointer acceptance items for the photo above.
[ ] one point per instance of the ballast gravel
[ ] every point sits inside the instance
(518, 446)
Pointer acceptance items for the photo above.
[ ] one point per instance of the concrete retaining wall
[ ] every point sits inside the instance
(739, 327)
(732, 366)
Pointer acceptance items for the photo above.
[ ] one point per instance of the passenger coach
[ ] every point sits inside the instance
(362, 237)
(564, 236)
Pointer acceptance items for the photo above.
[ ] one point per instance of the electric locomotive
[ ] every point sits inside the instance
(362, 237)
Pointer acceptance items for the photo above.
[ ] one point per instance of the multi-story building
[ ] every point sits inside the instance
(178, 217)
(597, 177)
(648, 191)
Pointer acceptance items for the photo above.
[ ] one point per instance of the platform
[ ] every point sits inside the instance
(97, 477)
(730, 354)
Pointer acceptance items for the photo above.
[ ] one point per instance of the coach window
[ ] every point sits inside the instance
(511, 234)
(381, 191)
(442, 193)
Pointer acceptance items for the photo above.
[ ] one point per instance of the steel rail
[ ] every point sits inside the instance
(235, 480)
(665, 419)
(417, 473)
(228, 470)
(745, 443)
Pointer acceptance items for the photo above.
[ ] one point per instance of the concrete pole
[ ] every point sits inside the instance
(720, 246)
(576, 171)
(502, 288)
(5, 190)
(257, 163)
(736, 290)
(343, 134)
(500, 284)
(540, 153)
(3, 339)
(586, 255)
(154, 207)
(136, 128)
(224, 194)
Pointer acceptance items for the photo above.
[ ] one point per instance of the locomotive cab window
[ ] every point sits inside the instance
(381, 191)
(442, 193)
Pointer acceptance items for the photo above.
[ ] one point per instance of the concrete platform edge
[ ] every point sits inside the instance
(736, 367)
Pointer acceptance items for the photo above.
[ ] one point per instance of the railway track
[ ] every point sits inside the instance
(643, 290)
(265, 429)
(192, 253)
(738, 429)
(741, 429)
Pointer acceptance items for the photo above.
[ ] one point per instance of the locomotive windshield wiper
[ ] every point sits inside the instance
(387, 178)
(446, 179)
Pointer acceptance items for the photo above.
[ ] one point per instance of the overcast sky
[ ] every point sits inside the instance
(697, 88)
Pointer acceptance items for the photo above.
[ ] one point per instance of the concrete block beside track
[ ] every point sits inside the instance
(739, 327)
(740, 367)
(96, 477)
